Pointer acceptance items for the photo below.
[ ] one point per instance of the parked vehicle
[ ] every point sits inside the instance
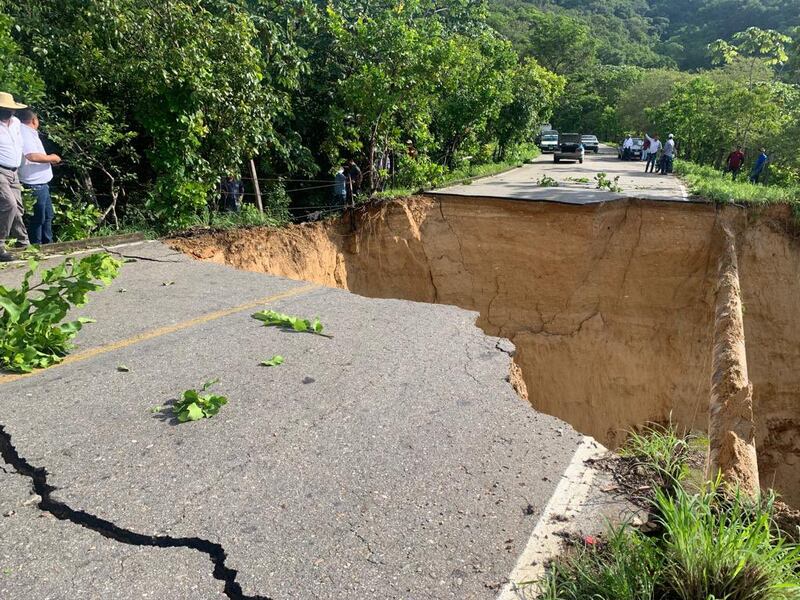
(590, 143)
(636, 151)
(569, 148)
(549, 141)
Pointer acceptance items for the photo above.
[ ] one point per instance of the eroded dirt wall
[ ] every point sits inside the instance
(610, 306)
(770, 276)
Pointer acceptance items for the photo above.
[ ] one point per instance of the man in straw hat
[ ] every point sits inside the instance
(11, 208)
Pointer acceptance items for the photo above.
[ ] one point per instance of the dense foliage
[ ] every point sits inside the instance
(152, 103)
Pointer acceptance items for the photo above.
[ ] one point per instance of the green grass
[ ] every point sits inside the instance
(711, 184)
(464, 174)
(662, 452)
(709, 545)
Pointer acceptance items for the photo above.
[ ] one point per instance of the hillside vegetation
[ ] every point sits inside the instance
(151, 104)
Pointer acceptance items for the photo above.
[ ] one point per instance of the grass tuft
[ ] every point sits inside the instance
(661, 451)
(710, 545)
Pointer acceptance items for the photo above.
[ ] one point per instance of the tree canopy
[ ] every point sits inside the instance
(152, 103)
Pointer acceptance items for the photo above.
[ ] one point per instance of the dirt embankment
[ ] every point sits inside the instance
(611, 306)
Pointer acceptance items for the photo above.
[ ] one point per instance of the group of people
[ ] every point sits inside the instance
(23, 163)
(658, 157)
(735, 162)
(347, 183)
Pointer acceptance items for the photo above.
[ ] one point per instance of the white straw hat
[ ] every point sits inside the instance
(7, 101)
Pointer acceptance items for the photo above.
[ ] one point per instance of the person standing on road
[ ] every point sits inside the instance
(11, 207)
(653, 149)
(627, 146)
(668, 157)
(35, 173)
(734, 162)
(758, 168)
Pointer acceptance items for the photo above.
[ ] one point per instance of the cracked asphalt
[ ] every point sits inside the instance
(393, 460)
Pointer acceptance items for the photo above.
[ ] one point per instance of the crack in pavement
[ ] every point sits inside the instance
(63, 512)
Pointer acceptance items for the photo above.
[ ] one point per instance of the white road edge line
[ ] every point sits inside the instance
(684, 191)
(567, 501)
(82, 251)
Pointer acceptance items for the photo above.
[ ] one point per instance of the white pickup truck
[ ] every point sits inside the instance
(549, 141)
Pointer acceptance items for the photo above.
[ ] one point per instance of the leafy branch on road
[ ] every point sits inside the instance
(194, 405)
(32, 335)
(270, 318)
(547, 181)
(273, 362)
(604, 183)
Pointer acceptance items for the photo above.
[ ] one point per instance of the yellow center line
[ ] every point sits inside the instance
(160, 331)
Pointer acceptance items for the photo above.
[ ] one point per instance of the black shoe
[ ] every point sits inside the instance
(6, 257)
(21, 245)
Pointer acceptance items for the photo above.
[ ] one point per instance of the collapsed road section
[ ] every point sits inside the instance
(611, 306)
(391, 458)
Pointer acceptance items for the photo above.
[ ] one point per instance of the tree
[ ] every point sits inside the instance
(472, 90)
(197, 107)
(559, 42)
(18, 76)
(753, 47)
(535, 93)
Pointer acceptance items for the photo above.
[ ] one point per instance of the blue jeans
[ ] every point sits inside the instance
(40, 227)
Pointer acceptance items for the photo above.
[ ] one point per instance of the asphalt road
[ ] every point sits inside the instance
(392, 460)
(576, 182)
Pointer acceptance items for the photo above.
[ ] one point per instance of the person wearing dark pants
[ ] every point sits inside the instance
(36, 173)
(668, 156)
(758, 168)
(652, 153)
(11, 207)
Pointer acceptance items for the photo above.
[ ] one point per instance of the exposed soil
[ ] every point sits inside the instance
(611, 306)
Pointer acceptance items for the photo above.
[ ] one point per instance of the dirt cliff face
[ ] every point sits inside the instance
(611, 306)
(770, 275)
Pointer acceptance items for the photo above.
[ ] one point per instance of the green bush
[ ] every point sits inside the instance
(419, 172)
(276, 203)
(74, 220)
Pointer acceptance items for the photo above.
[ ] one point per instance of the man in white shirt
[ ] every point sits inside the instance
(627, 146)
(35, 173)
(652, 153)
(11, 208)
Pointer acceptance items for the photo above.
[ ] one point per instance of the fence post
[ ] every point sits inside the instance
(256, 186)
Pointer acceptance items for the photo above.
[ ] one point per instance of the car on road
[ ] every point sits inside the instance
(549, 141)
(590, 143)
(636, 151)
(569, 148)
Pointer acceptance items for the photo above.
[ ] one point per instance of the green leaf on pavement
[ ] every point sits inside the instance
(273, 362)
